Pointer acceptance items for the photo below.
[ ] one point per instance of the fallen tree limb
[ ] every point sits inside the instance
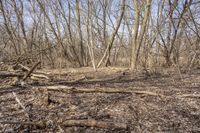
(76, 80)
(33, 75)
(20, 74)
(60, 129)
(67, 89)
(18, 101)
(70, 123)
(24, 68)
(148, 93)
(39, 124)
(20, 104)
(191, 96)
(104, 79)
(31, 70)
(5, 74)
(39, 76)
(11, 88)
(81, 80)
(36, 74)
(94, 123)
(72, 81)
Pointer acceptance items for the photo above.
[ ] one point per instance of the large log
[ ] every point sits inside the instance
(94, 123)
(90, 81)
(67, 89)
(70, 123)
(5, 74)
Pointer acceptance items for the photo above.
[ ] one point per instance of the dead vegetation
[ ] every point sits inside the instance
(107, 100)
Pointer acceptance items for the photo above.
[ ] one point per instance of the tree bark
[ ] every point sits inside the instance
(82, 52)
(106, 54)
(138, 38)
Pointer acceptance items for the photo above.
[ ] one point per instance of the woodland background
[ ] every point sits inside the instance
(77, 33)
(100, 66)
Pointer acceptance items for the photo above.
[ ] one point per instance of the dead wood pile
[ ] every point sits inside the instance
(18, 73)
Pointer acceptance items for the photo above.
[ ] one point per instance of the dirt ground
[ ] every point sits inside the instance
(109, 100)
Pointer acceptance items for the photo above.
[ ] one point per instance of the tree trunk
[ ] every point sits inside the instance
(82, 53)
(138, 39)
(106, 54)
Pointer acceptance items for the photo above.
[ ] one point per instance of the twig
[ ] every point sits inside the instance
(18, 101)
(60, 129)
(25, 68)
(21, 105)
(192, 62)
(40, 76)
(148, 93)
(38, 124)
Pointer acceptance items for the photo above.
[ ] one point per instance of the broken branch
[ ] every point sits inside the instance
(70, 123)
(94, 123)
(31, 70)
(67, 89)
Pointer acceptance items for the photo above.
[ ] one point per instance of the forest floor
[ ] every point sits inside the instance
(109, 100)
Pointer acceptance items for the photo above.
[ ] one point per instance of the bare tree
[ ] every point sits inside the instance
(100, 33)
(106, 54)
(82, 53)
(138, 38)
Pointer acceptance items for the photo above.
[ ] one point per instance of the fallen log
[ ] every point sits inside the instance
(190, 96)
(94, 123)
(105, 79)
(5, 74)
(85, 81)
(148, 93)
(76, 80)
(67, 89)
(70, 123)
(20, 74)
(39, 124)
(39, 76)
